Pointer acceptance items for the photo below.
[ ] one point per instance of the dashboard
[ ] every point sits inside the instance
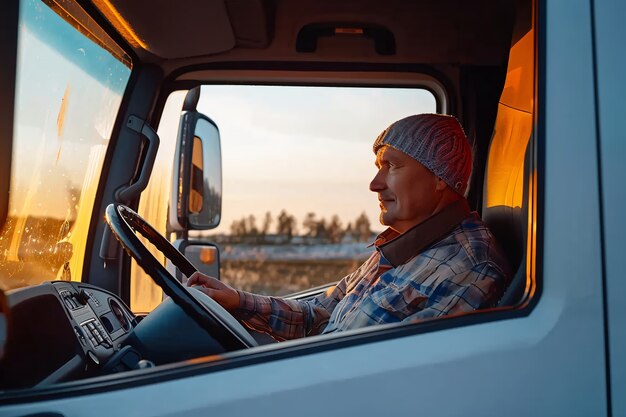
(63, 330)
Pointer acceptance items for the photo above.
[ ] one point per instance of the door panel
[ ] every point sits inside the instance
(611, 67)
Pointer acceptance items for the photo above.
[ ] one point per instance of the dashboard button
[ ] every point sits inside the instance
(80, 336)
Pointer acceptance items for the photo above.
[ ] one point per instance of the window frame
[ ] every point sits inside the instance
(8, 51)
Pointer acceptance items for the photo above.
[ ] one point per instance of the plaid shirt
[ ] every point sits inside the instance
(463, 271)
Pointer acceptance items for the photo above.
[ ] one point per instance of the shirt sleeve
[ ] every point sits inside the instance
(470, 290)
(285, 319)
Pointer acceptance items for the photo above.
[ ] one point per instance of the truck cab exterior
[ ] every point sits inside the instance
(537, 83)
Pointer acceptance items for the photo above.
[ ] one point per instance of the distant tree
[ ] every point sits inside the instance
(348, 230)
(251, 228)
(267, 221)
(362, 231)
(310, 224)
(334, 230)
(320, 230)
(238, 229)
(286, 225)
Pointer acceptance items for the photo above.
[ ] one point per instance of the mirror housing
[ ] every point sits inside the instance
(205, 257)
(196, 202)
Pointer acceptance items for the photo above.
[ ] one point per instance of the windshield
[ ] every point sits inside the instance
(69, 88)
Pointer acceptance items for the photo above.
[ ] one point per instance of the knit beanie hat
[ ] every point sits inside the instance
(437, 142)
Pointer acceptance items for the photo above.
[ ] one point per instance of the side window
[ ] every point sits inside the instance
(297, 162)
(70, 82)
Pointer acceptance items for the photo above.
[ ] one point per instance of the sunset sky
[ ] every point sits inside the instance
(303, 149)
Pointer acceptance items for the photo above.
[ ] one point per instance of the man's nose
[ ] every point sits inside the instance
(378, 182)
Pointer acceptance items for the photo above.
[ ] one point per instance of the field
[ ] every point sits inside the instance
(272, 277)
(285, 269)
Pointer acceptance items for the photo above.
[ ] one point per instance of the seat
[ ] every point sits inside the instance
(509, 173)
(509, 225)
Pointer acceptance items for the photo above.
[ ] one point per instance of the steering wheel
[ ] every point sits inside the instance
(208, 314)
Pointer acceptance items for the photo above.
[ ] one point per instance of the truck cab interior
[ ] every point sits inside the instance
(477, 58)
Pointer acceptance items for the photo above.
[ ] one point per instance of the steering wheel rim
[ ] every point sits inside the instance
(124, 222)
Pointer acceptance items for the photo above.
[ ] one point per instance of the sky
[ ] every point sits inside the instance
(303, 149)
(68, 94)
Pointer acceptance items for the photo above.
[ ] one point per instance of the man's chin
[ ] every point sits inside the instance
(390, 222)
(384, 219)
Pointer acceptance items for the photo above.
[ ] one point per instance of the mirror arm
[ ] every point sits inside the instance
(191, 99)
(128, 193)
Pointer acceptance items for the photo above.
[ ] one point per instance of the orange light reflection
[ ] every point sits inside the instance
(118, 21)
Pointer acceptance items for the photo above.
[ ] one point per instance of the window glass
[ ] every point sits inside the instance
(69, 88)
(297, 162)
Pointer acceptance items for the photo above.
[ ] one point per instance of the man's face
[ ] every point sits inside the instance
(408, 192)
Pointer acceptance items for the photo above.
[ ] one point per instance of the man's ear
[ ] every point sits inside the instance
(440, 185)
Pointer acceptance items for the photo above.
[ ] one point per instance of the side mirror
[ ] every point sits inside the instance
(196, 201)
(204, 256)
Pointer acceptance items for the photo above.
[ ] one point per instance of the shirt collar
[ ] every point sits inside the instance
(398, 248)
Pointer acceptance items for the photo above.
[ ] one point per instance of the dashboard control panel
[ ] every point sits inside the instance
(99, 319)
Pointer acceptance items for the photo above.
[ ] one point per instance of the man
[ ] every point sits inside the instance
(436, 258)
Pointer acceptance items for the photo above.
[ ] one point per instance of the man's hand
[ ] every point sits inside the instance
(225, 295)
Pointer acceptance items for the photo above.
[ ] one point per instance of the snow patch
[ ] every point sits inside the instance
(340, 251)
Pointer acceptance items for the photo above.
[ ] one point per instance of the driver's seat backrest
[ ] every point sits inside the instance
(508, 173)
(509, 225)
